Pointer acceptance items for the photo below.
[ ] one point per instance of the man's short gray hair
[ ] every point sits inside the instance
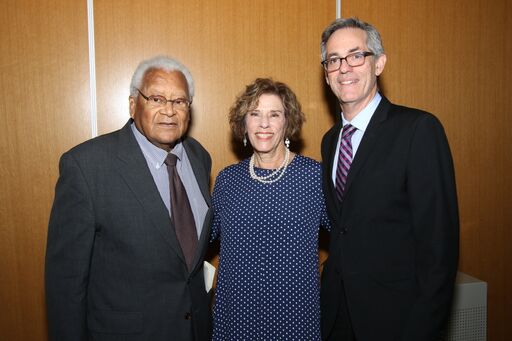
(164, 63)
(373, 40)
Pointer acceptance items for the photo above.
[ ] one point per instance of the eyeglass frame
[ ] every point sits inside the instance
(364, 54)
(150, 100)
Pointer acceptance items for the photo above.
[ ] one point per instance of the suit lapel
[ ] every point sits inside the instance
(133, 169)
(366, 146)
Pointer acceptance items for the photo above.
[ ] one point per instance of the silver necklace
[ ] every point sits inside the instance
(275, 175)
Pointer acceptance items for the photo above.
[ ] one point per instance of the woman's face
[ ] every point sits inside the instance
(266, 125)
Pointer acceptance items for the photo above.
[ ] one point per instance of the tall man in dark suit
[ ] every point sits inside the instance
(390, 190)
(117, 267)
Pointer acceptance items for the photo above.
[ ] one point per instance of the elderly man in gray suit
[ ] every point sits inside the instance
(130, 223)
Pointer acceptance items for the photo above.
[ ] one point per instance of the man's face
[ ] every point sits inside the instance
(353, 86)
(163, 125)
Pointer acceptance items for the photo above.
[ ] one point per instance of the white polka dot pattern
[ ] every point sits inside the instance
(268, 280)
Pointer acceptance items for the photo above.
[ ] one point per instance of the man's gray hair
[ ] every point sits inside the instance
(373, 40)
(164, 63)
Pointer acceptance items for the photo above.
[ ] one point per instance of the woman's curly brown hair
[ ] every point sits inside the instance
(248, 101)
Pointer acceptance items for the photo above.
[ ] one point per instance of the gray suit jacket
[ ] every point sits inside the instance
(114, 267)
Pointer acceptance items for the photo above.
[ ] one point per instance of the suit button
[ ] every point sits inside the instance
(188, 316)
(344, 230)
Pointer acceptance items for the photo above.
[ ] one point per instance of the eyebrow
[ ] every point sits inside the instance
(276, 110)
(354, 49)
(160, 92)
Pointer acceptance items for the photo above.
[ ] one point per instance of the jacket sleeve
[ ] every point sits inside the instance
(68, 253)
(433, 203)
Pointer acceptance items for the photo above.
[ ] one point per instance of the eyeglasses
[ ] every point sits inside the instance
(160, 101)
(353, 59)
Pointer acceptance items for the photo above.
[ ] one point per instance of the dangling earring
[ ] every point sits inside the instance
(245, 141)
(287, 143)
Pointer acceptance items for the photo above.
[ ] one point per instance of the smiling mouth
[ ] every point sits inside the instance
(348, 82)
(264, 135)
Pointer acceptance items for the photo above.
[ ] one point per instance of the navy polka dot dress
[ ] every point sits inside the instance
(268, 280)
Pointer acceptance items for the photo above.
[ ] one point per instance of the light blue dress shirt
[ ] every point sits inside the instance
(155, 158)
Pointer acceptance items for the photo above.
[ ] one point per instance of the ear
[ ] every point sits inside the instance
(326, 78)
(379, 64)
(132, 105)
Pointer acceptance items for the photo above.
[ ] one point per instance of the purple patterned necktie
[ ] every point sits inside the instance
(344, 159)
(181, 212)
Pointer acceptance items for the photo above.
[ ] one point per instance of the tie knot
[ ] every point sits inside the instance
(170, 160)
(348, 131)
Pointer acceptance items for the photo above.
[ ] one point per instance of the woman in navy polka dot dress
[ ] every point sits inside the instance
(268, 211)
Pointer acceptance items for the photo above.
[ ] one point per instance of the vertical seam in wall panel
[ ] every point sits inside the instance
(338, 8)
(92, 68)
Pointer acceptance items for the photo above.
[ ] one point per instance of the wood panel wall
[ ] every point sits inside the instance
(452, 58)
(44, 110)
(226, 45)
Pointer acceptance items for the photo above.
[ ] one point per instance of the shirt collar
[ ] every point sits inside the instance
(156, 156)
(362, 119)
